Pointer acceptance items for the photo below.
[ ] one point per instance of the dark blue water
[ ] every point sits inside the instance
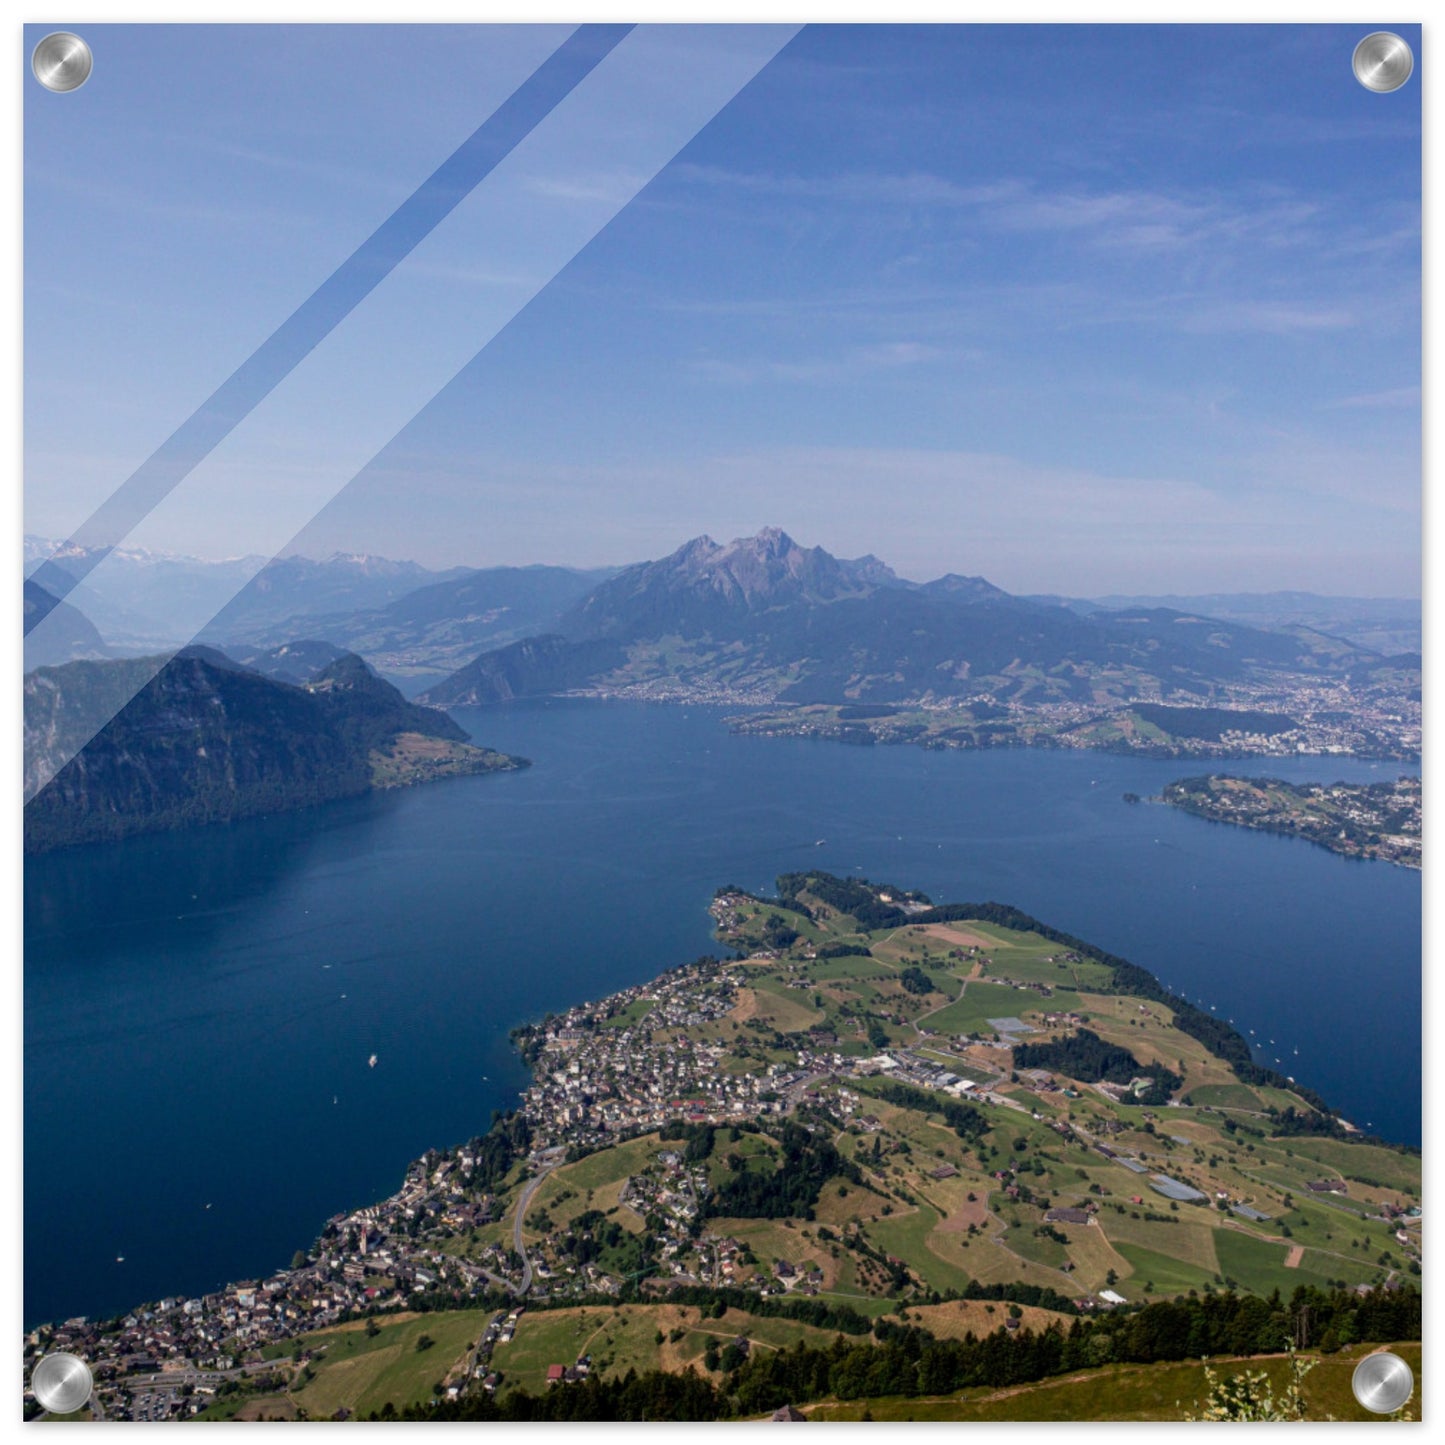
(200, 1007)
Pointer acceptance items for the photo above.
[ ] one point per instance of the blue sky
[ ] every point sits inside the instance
(1082, 309)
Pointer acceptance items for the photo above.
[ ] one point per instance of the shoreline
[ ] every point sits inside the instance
(975, 725)
(1350, 820)
(1140, 982)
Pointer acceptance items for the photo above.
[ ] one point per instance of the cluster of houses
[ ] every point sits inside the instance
(803, 1279)
(570, 1374)
(369, 1259)
(1329, 716)
(599, 1079)
(675, 1190)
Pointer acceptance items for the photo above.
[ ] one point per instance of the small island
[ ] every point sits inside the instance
(1358, 820)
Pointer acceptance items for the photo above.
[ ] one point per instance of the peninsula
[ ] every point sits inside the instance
(979, 1150)
(1359, 820)
(206, 739)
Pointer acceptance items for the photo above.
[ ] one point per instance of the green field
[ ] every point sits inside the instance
(1166, 1274)
(786, 1009)
(1136, 1392)
(614, 1338)
(607, 1166)
(1225, 1096)
(1258, 1265)
(906, 1235)
(1040, 1247)
(982, 1001)
(1393, 1169)
(626, 1337)
(362, 1373)
(638, 1009)
(1322, 1265)
(1033, 966)
(850, 967)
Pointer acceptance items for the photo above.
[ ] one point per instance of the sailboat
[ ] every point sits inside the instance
(371, 1062)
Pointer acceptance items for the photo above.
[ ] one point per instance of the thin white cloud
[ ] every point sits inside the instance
(862, 188)
(589, 186)
(1400, 397)
(1278, 318)
(1119, 217)
(848, 364)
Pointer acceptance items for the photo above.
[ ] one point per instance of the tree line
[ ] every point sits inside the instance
(965, 1121)
(907, 1360)
(787, 1192)
(1084, 1055)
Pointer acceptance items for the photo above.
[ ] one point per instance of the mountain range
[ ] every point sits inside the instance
(761, 614)
(414, 624)
(135, 600)
(765, 616)
(292, 714)
(1384, 624)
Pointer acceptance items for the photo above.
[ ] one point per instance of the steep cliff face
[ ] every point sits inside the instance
(207, 740)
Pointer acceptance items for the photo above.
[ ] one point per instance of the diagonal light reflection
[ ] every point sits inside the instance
(383, 362)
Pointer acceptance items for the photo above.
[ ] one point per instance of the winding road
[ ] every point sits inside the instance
(526, 1198)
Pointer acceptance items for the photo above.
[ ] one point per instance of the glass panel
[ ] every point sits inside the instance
(475, 479)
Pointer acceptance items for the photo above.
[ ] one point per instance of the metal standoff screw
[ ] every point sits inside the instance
(1383, 62)
(62, 1382)
(1382, 1382)
(62, 61)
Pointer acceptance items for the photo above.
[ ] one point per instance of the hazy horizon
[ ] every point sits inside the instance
(620, 564)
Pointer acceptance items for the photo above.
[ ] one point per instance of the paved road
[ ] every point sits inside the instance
(499, 1281)
(166, 1379)
(532, 1187)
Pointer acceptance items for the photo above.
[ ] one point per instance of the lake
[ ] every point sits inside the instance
(200, 1007)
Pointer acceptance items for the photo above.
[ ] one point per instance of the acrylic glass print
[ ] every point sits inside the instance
(721, 723)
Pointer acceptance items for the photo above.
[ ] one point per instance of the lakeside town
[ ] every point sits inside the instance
(595, 1085)
(1358, 820)
(1294, 717)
